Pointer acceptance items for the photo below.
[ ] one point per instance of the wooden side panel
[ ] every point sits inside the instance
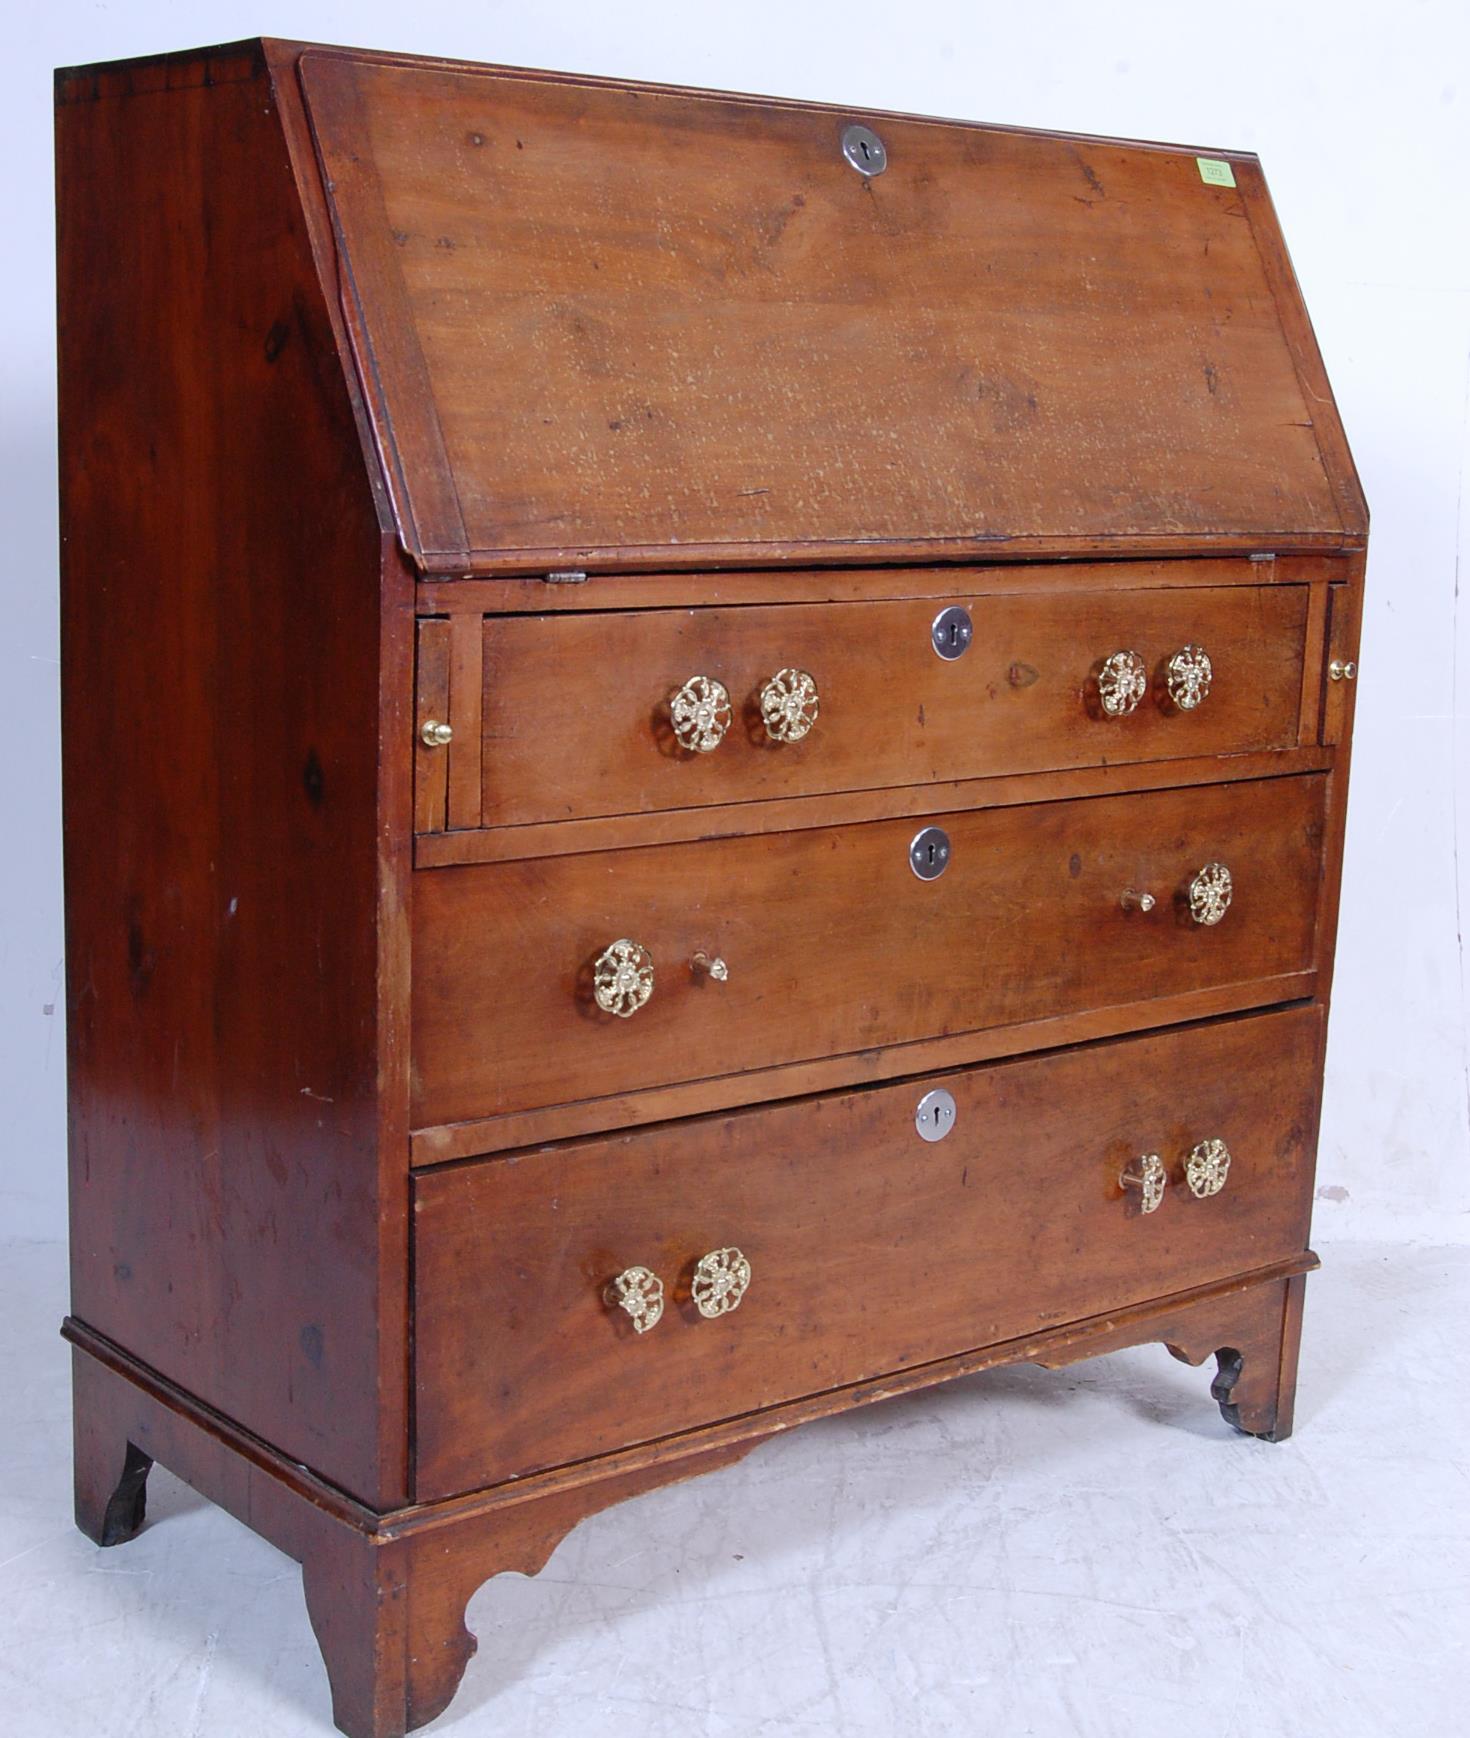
(1339, 704)
(1296, 325)
(430, 760)
(231, 1227)
(616, 325)
(577, 708)
(1345, 613)
(1314, 664)
(833, 945)
(465, 698)
(870, 1249)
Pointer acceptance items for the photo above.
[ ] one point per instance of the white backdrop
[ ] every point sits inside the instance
(1361, 115)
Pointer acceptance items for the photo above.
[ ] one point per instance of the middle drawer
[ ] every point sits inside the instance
(832, 944)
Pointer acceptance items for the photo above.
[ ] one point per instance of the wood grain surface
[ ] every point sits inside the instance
(834, 945)
(431, 762)
(523, 594)
(787, 814)
(608, 322)
(870, 1249)
(577, 708)
(235, 1221)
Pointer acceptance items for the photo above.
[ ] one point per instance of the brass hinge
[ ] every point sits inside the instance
(567, 576)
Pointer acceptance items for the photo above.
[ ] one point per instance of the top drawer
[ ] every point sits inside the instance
(579, 715)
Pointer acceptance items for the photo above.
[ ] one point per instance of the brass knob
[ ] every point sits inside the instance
(700, 712)
(436, 735)
(1122, 683)
(641, 1293)
(720, 1281)
(1147, 1175)
(1210, 894)
(1340, 671)
(789, 705)
(715, 968)
(1187, 676)
(622, 979)
(1135, 901)
(1206, 1168)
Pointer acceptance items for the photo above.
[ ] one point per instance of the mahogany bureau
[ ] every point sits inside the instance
(705, 749)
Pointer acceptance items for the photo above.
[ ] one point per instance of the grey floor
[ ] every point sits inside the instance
(1021, 1554)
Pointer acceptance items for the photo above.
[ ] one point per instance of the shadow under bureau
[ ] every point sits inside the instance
(705, 747)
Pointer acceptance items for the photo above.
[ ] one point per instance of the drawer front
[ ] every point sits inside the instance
(577, 713)
(869, 1249)
(834, 945)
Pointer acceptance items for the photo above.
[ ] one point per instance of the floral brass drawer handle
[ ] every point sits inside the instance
(1122, 683)
(720, 1281)
(789, 705)
(622, 979)
(1187, 676)
(640, 1292)
(1210, 894)
(700, 713)
(1148, 1176)
(1206, 1168)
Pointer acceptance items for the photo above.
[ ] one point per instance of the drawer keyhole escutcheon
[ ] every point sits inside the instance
(864, 149)
(1187, 676)
(935, 1115)
(929, 853)
(789, 705)
(1206, 1168)
(1147, 1175)
(700, 713)
(1210, 894)
(640, 1292)
(720, 1281)
(951, 632)
(622, 978)
(1121, 683)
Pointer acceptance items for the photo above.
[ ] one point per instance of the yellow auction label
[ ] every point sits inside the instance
(1214, 172)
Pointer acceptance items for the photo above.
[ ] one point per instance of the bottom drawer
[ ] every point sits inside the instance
(869, 1249)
